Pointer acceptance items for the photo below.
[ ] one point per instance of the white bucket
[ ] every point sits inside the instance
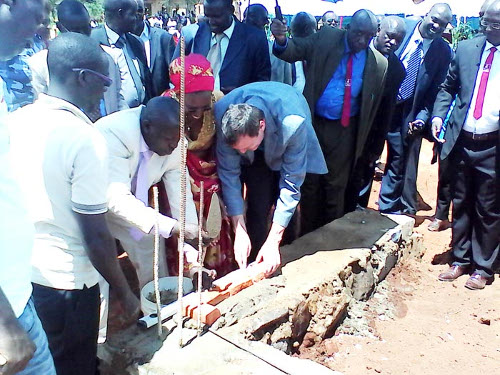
(165, 283)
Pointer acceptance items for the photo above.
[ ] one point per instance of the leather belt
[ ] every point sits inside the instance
(480, 137)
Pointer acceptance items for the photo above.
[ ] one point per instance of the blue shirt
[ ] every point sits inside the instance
(329, 105)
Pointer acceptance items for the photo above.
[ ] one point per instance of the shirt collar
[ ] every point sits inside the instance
(489, 46)
(51, 102)
(145, 32)
(347, 49)
(228, 32)
(112, 36)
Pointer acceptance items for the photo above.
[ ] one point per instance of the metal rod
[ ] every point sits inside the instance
(156, 259)
(200, 251)
(182, 218)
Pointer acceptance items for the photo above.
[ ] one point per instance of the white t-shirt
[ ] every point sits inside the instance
(61, 162)
(16, 231)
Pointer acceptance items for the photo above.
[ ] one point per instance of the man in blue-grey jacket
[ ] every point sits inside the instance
(265, 139)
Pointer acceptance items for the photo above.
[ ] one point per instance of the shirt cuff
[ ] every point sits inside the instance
(166, 225)
(278, 48)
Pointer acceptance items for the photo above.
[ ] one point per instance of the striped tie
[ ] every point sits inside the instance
(408, 86)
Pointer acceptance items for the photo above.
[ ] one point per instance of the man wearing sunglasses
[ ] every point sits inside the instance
(471, 145)
(64, 179)
(74, 17)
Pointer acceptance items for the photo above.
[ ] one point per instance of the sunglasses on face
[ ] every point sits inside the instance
(107, 81)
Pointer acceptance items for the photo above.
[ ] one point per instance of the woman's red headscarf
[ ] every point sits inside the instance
(199, 75)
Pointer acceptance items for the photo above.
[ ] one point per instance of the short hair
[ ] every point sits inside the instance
(240, 120)
(69, 9)
(112, 6)
(303, 24)
(72, 50)
(227, 3)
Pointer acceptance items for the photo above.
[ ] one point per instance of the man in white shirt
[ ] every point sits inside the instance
(64, 178)
(23, 343)
(471, 145)
(143, 150)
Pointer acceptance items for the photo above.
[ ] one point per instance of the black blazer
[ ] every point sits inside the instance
(162, 48)
(395, 76)
(247, 56)
(136, 48)
(459, 86)
(431, 74)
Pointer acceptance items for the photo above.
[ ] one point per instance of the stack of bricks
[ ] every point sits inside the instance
(223, 288)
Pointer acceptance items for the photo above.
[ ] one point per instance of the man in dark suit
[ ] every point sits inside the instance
(128, 50)
(425, 56)
(159, 46)
(471, 144)
(391, 33)
(238, 52)
(342, 126)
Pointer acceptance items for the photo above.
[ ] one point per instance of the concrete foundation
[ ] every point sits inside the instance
(322, 273)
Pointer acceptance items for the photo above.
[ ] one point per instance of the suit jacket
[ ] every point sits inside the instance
(290, 145)
(322, 52)
(459, 86)
(113, 99)
(376, 140)
(135, 47)
(162, 48)
(431, 74)
(247, 57)
(123, 138)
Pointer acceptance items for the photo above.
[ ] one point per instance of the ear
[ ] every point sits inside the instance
(81, 78)
(262, 124)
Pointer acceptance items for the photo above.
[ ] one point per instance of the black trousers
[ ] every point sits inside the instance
(443, 201)
(323, 196)
(476, 205)
(70, 318)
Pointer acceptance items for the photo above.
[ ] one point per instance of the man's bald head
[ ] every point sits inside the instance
(73, 16)
(160, 125)
(361, 30)
(120, 15)
(391, 33)
(330, 19)
(303, 24)
(492, 16)
(485, 6)
(435, 22)
(256, 15)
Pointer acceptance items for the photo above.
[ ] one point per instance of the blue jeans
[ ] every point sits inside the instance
(42, 362)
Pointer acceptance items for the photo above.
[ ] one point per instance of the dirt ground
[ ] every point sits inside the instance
(415, 323)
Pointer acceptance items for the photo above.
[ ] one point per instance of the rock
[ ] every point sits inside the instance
(300, 321)
(309, 340)
(331, 347)
(485, 321)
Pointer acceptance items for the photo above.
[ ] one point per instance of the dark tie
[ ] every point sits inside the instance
(346, 107)
(407, 88)
(478, 109)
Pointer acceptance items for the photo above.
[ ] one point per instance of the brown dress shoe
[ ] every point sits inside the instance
(438, 225)
(476, 282)
(453, 273)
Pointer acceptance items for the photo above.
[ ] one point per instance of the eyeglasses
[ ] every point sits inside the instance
(107, 81)
(493, 25)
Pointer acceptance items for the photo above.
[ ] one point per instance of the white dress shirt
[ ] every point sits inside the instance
(488, 122)
(128, 89)
(16, 231)
(147, 44)
(224, 43)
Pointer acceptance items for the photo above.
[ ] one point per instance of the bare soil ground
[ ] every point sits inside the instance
(416, 324)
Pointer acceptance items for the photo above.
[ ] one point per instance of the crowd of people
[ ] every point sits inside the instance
(299, 120)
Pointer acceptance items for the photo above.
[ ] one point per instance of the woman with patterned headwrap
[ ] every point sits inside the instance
(201, 163)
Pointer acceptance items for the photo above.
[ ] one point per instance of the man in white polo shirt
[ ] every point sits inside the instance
(61, 163)
(23, 343)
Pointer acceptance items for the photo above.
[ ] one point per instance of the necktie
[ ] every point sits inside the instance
(408, 86)
(478, 109)
(346, 107)
(141, 184)
(132, 68)
(215, 54)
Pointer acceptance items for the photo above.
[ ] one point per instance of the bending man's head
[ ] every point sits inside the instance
(361, 30)
(160, 125)
(390, 35)
(243, 127)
